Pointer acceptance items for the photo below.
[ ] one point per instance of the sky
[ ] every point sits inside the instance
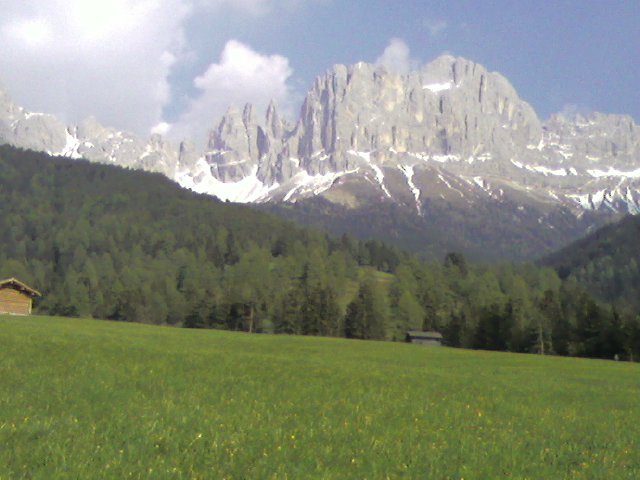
(175, 66)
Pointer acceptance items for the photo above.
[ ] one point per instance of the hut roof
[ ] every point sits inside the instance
(419, 334)
(18, 285)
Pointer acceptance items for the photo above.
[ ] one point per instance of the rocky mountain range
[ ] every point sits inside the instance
(89, 140)
(450, 135)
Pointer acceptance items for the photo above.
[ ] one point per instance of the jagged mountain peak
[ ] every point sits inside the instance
(401, 133)
(450, 130)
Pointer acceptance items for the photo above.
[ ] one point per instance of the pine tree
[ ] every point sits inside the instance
(365, 318)
(287, 314)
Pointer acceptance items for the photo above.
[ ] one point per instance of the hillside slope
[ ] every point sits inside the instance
(115, 243)
(607, 262)
(483, 231)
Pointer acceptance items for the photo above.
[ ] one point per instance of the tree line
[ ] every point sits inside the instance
(105, 242)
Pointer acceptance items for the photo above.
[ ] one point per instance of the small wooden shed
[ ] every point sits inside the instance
(424, 338)
(16, 298)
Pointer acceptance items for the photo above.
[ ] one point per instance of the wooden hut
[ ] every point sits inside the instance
(424, 338)
(16, 298)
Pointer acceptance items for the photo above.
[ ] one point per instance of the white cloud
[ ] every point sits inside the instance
(33, 32)
(161, 128)
(113, 59)
(435, 27)
(77, 58)
(241, 76)
(397, 57)
(255, 7)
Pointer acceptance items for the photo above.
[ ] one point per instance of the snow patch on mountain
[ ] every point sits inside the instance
(366, 156)
(437, 87)
(558, 172)
(445, 158)
(305, 184)
(614, 172)
(408, 172)
(610, 199)
(479, 181)
(248, 190)
(71, 147)
(380, 179)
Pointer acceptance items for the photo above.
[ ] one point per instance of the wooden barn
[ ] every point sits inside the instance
(424, 338)
(16, 298)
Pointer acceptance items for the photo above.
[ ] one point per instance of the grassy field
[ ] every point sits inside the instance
(84, 399)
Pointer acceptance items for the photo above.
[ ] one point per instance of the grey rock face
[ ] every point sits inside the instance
(599, 139)
(233, 150)
(450, 130)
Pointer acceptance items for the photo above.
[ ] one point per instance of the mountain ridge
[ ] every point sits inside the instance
(450, 132)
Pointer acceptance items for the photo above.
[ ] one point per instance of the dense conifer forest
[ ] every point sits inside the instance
(106, 242)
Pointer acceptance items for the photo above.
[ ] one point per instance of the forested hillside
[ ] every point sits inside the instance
(112, 243)
(483, 230)
(605, 262)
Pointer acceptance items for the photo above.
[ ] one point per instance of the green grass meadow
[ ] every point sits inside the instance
(85, 399)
